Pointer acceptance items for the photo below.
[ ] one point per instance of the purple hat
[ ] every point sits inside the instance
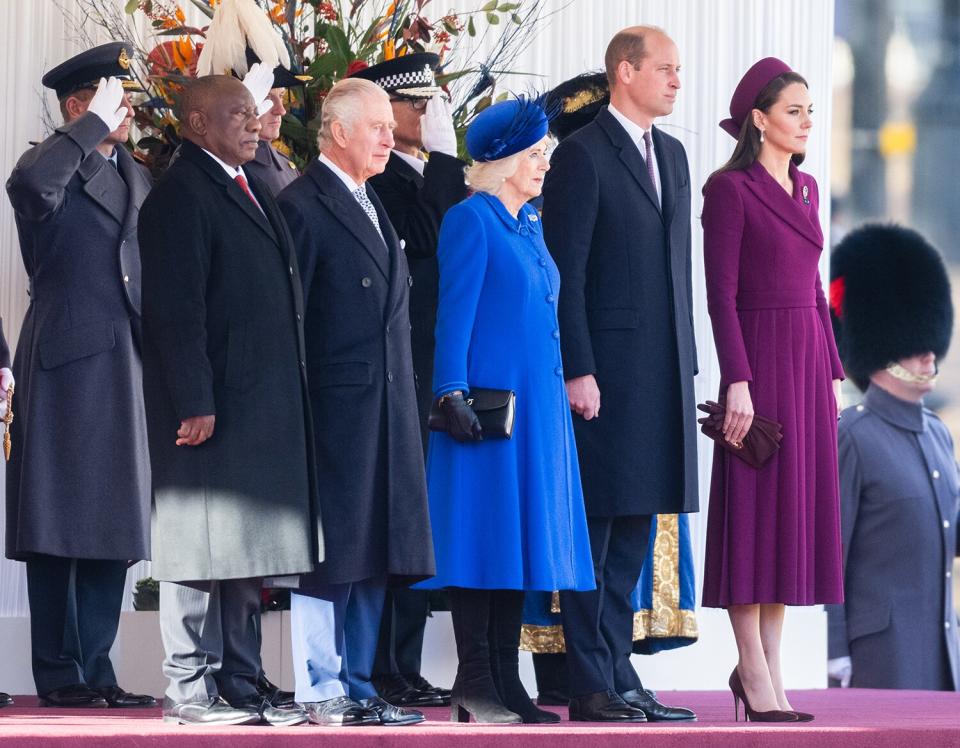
(749, 88)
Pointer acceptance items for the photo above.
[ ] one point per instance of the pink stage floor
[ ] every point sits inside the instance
(851, 719)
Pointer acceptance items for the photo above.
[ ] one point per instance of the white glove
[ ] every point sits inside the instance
(6, 381)
(436, 127)
(841, 669)
(107, 103)
(259, 81)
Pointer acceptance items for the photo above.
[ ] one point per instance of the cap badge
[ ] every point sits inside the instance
(123, 61)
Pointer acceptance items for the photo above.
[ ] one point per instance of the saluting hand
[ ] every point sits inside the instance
(195, 431)
(739, 405)
(584, 396)
(258, 81)
(436, 127)
(107, 103)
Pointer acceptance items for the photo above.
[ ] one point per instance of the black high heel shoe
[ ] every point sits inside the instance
(740, 694)
(803, 716)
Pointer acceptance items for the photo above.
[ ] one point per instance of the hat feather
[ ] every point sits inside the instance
(236, 25)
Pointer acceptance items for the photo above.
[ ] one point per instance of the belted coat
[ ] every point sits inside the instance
(78, 481)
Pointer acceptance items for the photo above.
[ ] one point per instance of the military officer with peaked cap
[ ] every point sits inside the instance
(899, 486)
(416, 190)
(78, 483)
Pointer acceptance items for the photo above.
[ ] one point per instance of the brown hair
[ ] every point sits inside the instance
(748, 143)
(628, 44)
(82, 94)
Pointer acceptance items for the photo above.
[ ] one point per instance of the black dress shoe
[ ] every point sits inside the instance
(388, 714)
(118, 698)
(426, 688)
(604, 706)
(641, 698)
(5, 699)
(213, 712)
(78, 696)
(271, 714)
(395, 689)
(340, 710)
(272, 693)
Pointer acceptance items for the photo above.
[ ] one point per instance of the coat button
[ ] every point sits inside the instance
(543, 263)
(290, 269)
(556, 335)
(936, 474)
(299, 318)
(949, 574)
(389, 376)
(126, 279)
(303, 364)
(550, 298)
(859, 408)
(366, 282)
(558, 371)
(946, 624)
(387, 329)
(410, 280)
(946, 524)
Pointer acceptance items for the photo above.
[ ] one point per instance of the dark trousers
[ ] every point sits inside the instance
(400, 642)
(210, 637)
(74, 615)
(598, 625)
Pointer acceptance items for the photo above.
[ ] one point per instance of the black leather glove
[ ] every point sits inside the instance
(462, 423)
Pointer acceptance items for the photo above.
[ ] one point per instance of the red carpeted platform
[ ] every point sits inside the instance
(847, 719)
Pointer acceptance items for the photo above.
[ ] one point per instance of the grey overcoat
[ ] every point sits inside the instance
(78, 482)
(899, 497)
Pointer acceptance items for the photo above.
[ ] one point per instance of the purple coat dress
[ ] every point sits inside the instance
(773, 534)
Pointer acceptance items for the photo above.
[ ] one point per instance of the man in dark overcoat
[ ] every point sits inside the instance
(616, 217)
(78, 483)
(899, 484)
(362, 394)
(416, 192)
(227, 408)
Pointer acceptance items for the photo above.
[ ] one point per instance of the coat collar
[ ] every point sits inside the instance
(527, 221)
(138, 185)
(195, 155)
(789, 208)
(335, 195)
(630, 156)
(403, 170)
(900, 413)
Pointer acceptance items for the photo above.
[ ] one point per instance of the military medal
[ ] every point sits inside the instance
(806, 194)
(7, 420)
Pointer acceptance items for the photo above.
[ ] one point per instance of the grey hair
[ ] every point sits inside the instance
(342, 105)
(489, 176)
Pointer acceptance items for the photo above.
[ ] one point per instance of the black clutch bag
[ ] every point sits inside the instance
(494, 408)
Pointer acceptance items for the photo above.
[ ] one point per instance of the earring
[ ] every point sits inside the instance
(761, 136)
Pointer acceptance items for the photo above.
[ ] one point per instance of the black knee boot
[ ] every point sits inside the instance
(474, 693)
(507, 613)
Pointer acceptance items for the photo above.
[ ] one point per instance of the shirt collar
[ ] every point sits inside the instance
(901, 413)
(341, 174)
(634, 130)
(232, 171)
(417, 163)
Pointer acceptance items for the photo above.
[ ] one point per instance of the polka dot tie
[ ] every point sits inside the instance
(361, 195)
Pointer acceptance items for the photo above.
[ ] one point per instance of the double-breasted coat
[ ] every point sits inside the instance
(626, 315)
(271, 168)
(223, 335)
(78, 482)
(900, 495)
(416, 205)
(356, 287)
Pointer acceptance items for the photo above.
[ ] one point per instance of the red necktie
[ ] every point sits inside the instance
(239, 179)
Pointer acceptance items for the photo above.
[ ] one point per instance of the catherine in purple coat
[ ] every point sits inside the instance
(773, 534)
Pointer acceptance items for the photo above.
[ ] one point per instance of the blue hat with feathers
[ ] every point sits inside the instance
(507, 127)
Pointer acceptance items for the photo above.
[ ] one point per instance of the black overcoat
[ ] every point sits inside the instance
(369, 459)
(223, 335)
(271, 168)
(416, 205)
(626, 316)
(78, 481)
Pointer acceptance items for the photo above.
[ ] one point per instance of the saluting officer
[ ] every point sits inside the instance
(78, 483)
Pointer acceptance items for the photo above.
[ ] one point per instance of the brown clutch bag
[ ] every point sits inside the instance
(758, 446)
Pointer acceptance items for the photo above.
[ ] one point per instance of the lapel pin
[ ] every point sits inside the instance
(806, 194)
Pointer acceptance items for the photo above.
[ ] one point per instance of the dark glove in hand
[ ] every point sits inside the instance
(462, 423)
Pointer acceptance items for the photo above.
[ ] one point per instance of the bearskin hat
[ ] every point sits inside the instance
(578, 101)
(889, 299)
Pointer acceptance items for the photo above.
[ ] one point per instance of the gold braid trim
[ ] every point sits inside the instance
(542, 639)
(581, 99)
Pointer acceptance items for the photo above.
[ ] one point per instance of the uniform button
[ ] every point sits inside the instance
(946, 624)
(550, 298)
(366, 282)
(946, 524)
(558, 371)
(936, 473)
(389, 376)
(859, 408)
(126, 279)
(949, 574)
(290, 269)
(556, 335)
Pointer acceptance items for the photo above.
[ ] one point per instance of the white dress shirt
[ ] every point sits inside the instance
(636, 135)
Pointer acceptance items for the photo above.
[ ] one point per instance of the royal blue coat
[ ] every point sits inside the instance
(506, 514)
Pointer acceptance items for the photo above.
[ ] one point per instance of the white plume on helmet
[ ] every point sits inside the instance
(236, 25)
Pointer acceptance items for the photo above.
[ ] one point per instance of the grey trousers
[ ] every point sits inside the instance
(209, 632)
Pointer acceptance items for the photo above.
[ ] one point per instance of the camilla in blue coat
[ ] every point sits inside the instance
(507, 514)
